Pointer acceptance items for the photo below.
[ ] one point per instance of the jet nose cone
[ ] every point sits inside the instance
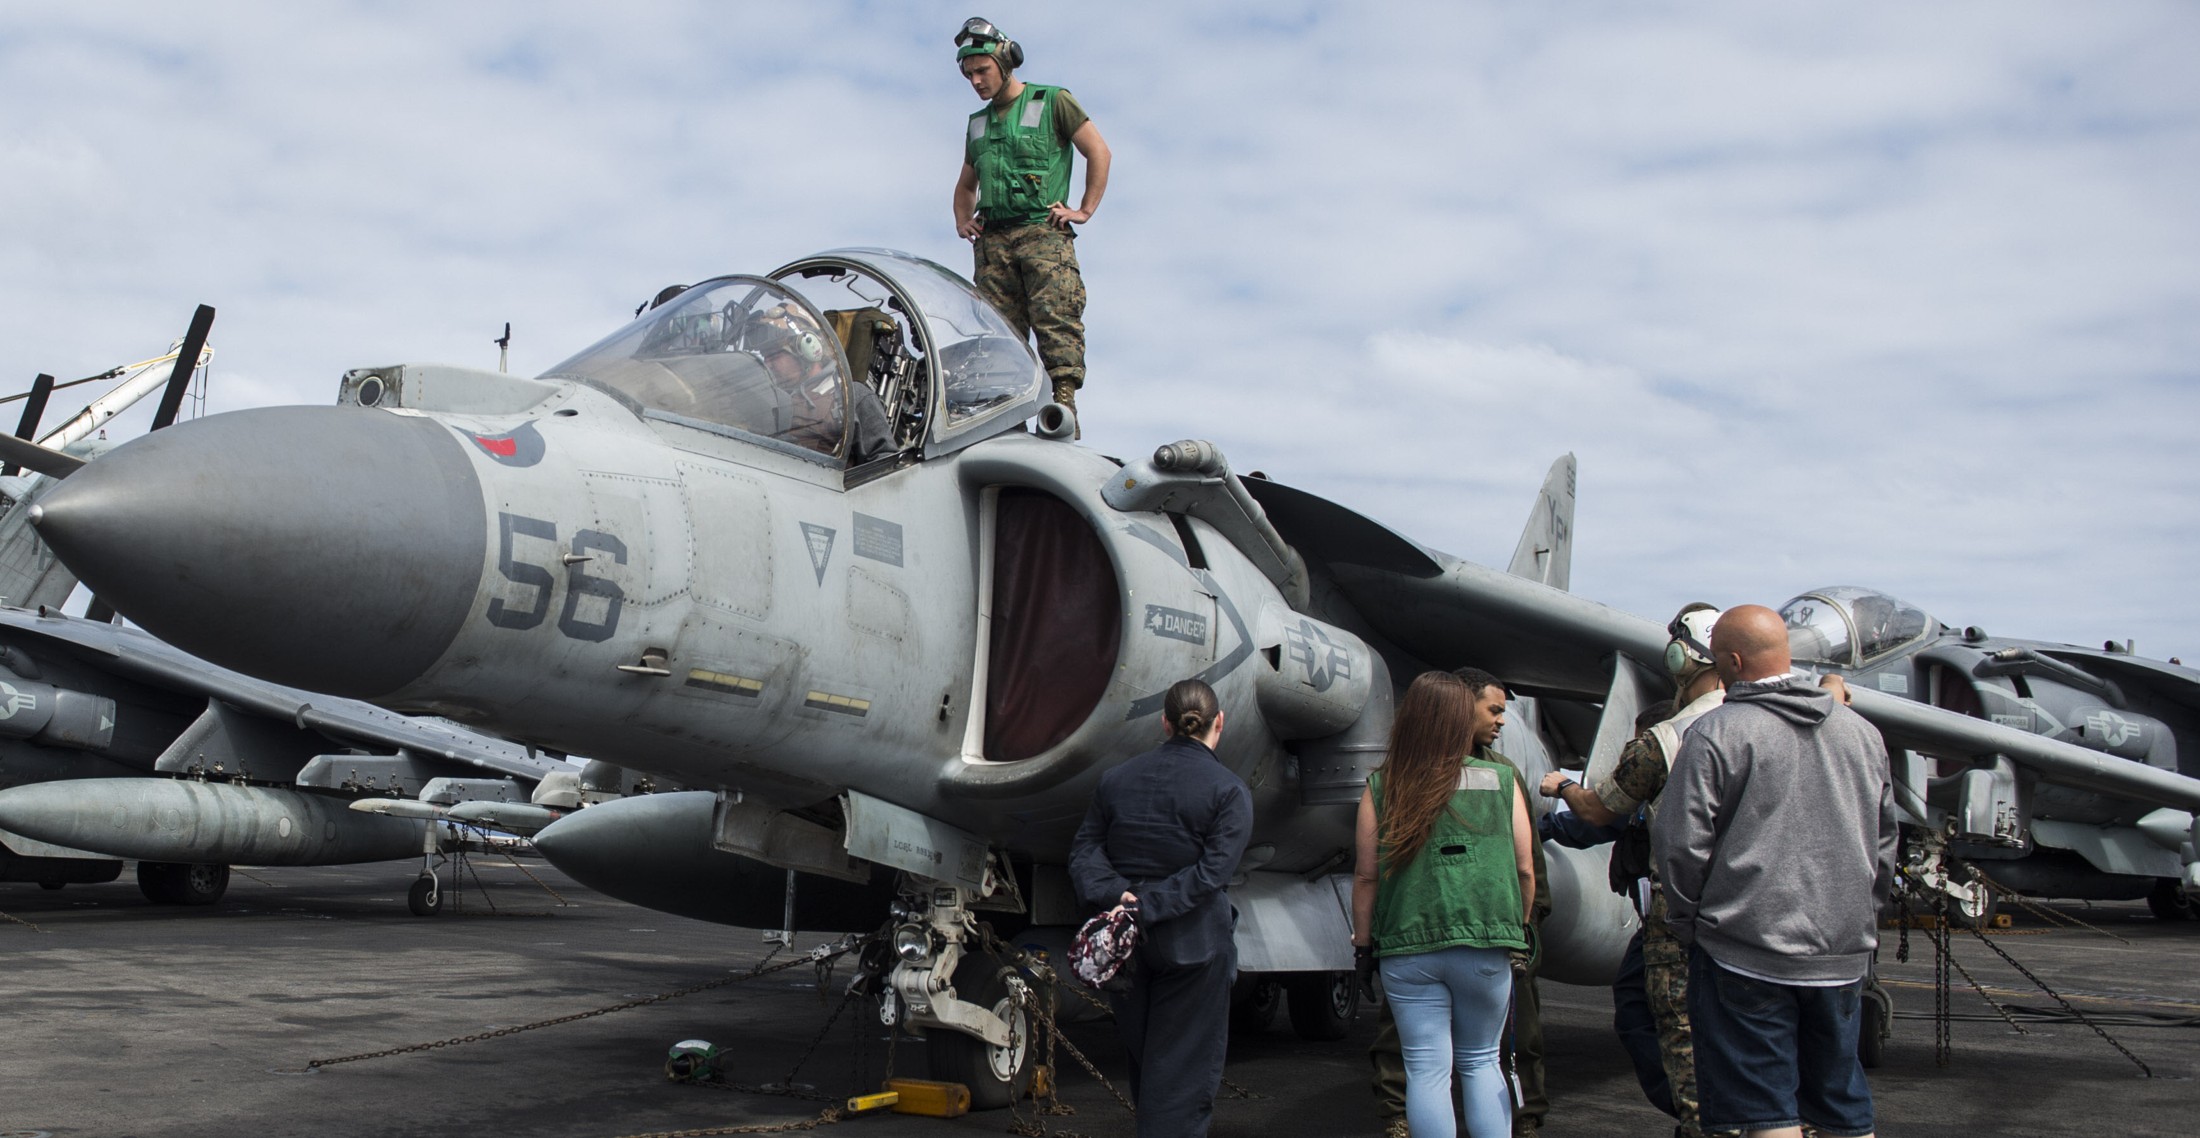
(336, 549)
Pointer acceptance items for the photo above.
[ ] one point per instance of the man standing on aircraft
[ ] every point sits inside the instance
(1011, 200)
(1640, 778)
(1777, 851)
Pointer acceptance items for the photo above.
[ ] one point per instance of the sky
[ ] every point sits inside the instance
(1867, 293)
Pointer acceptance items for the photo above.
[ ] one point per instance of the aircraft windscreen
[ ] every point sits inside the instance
(983, 363)
(1846, 626)
(739, 352)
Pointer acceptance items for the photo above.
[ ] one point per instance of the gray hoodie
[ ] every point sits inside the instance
(1776, 840)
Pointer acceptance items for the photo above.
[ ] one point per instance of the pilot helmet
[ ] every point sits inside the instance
(783, 329)
(979, 37)
(1690, 646)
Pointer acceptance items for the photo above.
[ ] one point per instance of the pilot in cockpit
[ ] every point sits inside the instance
(799, 357)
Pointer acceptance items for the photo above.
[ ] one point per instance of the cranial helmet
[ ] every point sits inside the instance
(979, 37)
(1690, 646)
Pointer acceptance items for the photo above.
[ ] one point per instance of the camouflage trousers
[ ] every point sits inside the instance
(1665, 980)
(1029, 272)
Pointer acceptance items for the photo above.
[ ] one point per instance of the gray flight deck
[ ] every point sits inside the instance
(127, 1019)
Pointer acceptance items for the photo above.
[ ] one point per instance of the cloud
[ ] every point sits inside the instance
(1889, 294)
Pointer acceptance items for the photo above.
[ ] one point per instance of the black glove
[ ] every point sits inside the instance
(1363, 971)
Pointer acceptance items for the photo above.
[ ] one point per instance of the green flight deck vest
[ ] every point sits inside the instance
(1463, 888)
(1022, 164)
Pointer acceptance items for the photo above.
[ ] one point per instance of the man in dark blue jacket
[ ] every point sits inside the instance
(1163, 836)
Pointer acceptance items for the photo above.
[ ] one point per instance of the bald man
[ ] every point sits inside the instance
(1776, 846)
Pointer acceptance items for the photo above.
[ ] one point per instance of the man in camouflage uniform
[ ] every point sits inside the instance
(1523, 1046)
(1637, 780)
(1011, 200)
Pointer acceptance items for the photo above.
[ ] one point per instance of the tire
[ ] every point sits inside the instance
(1321, 1004)
(1980, 917)
(997, 1076)
(173, 883)
(2171, 903)
(1871, 1032)
(425, 899)
(1258, 1009)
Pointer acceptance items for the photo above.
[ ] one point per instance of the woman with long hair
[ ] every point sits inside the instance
(1440, 896)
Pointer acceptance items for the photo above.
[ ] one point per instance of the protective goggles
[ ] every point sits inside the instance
(978, 29)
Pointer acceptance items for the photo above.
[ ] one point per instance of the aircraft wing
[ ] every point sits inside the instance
(1921, 727)
(133, 655)
(1449, 612)
(2173, 682)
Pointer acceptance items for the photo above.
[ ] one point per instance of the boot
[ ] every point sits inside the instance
(1065, 393)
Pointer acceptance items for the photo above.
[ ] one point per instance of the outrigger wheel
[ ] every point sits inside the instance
(426, 897)
(175, 883)
(2170, 902)
(997, 1076)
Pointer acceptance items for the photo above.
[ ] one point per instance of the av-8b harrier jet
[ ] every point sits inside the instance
(811, 541)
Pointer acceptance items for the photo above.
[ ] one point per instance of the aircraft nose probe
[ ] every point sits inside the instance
(337, 548)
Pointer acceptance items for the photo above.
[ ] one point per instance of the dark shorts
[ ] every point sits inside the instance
(1771, 1055)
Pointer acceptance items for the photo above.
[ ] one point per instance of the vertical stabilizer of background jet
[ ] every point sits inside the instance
(1546, 549)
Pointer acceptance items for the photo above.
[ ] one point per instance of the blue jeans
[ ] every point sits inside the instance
(1450, 1006)
(1771, 1055)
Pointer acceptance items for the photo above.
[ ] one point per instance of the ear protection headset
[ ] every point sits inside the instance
(1690, 630)
(979, 37)
(783, 331)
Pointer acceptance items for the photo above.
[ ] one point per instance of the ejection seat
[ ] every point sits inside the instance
(878, 360)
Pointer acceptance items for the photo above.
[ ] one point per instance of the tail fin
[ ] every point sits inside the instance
(1546, 549)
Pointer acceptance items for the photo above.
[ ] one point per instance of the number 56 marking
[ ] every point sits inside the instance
(543, 580)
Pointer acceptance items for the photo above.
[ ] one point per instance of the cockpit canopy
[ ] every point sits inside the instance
(1848, 627)
(849, 356)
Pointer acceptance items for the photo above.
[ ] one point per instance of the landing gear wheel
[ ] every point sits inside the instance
(1871, 1027)
(2171, 903)
(1976, 916)
(171, 883)
(1321, 1004)
(996, 1076)
(1257, 1009)
(426, 897)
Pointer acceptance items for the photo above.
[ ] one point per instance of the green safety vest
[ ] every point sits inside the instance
(1022, 164)
(1463, 888)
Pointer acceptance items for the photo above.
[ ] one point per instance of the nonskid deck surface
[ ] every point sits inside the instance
(127, 1019)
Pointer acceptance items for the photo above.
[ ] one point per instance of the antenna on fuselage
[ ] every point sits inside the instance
(504, 346)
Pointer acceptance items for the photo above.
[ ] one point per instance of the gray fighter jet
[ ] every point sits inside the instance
(813, 544)
(115, 747)
(2000, 815)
